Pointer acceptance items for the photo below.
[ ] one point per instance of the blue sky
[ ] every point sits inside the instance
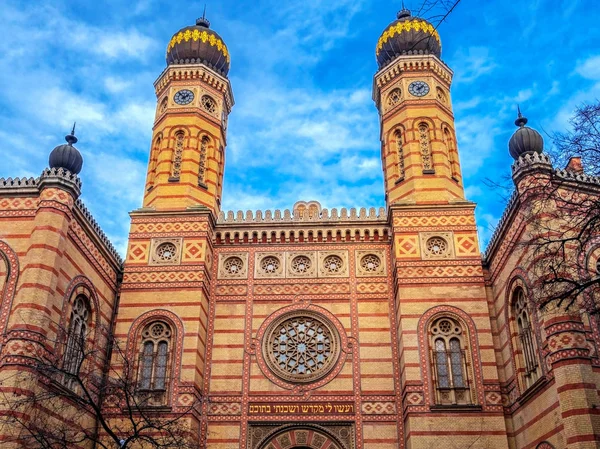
(304, 126)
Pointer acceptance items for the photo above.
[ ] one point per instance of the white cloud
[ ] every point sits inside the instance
(590, 68)
(473, 63)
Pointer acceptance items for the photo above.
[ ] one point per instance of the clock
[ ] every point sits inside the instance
(418, 88)
(184, 97)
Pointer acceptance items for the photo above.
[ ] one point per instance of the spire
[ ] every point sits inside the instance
(203, 21)
(520, 121)
(403, 13)
(70, 138)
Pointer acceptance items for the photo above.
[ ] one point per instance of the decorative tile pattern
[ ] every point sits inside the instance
(370, 263)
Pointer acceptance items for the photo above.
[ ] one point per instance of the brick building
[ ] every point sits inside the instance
(309, 328)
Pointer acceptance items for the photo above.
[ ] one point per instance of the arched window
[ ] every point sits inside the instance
(394, 97)
(76, 336)
(202, 163)
(451, 149)
(3, 275)
(163, 105)
(450, 365)
(527, 354)
(425, 144)
(154, 357)
(154, 160)
(400, 151)
(177, 157)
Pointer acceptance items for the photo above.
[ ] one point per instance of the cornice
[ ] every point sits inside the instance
(199, 72)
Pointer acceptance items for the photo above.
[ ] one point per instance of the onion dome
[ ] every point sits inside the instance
(525, 140)
(66, 155)
(199, 44)
(407, 35)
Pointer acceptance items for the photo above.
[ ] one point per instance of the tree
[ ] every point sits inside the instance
(53, 404)
(563, 210)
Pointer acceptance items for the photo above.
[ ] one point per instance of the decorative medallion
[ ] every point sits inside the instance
(370, 263)
(333, 264)
(269, 265)
(165, 251)
(301, 346)
(437, 245)
(233, 266)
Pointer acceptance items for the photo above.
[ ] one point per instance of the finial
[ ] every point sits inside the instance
(403, 13)
(71, 139)
(203, 21)
(520, 121)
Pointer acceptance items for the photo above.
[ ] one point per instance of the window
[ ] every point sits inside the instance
(154, 357)
(449, 142)
(177, 157)
(208, 103)
(76, 336)
(202, 163)
(425, 145)
(449, 362)
(400, 150)
(394, 97)
(154, 160)
(527, 360)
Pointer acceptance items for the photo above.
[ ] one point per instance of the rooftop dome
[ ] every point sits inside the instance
(407, 34)
(198, 43)
(524, 140)
(66, 155)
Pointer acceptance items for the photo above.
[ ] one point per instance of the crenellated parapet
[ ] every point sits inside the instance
(80, 206)
(287, 216)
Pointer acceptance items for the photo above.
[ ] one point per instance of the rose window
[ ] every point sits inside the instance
(270, 264)
(233, 265)
(370, 263)
(208, 104)
(301, 264)
(157, 330)
(302, 347)
(332, 264)
(166, 252)
(437, 246)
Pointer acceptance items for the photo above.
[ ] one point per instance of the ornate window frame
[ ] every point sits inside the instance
(154, 360)
(398, 148)
(76, 338)
(11, 261)
(473, 354)
(336, 328)
(423, 132)
(177, 159)
(524, 337)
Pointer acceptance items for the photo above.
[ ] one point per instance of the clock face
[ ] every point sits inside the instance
(418, 88)
(184, 96)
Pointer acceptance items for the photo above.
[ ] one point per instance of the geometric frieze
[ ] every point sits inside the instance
(371, 287)
(170, 228)
(301, 289)
(378, 408)
(156, 277)
(434, 220)
(445, 273)
(466, 245)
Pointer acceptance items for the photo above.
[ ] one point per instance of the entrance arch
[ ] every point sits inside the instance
(302, 436)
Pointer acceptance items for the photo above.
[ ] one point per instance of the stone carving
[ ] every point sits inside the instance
(233, 266)
(165, 251)
(269, 265)
(437, 245)
(333, 264)
(370, 263)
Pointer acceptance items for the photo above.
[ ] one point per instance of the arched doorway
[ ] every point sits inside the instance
(306, 436)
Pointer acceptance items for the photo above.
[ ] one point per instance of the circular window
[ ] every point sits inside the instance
(233, 265)
(157, 330)
(166, 252)
(301, 346)
(332, 264)
(370, 263)
(270, 265)
(301, 264)
(437, 246)
(208, 103)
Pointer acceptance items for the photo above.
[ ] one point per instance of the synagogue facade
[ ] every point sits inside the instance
(309, 327)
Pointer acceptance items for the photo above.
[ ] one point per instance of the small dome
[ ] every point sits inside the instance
(199, 44)
(66, 155)
(407, 34)
(525, 140)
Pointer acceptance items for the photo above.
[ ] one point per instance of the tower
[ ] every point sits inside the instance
(194, 99)
(412, 92)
